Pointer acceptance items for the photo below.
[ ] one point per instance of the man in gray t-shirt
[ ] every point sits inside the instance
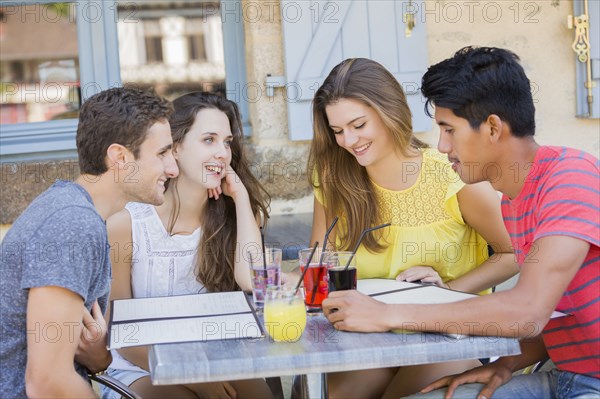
(40, 251)
(55, 265)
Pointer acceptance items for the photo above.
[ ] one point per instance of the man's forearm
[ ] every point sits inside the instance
(494, 315)
(492, 272)
(533, 350)
(58, 385)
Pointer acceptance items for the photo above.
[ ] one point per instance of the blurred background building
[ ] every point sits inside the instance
(39, 66)
(172, 46)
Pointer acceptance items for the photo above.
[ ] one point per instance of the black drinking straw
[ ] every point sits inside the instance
(365, 231)
(306, 268)
(251, 266)
(250, 259)
(314, 291)
(262, 241)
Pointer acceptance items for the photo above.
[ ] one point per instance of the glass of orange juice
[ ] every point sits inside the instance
(284, 314)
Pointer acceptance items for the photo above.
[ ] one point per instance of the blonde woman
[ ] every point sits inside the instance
(368, 168)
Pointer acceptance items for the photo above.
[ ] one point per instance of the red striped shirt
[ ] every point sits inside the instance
(561, 196)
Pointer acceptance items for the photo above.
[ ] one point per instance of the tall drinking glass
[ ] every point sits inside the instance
(265, 274)
(284, 314)
(340, 277)
(315, 278)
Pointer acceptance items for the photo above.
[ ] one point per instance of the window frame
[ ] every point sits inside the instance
(99, 69)
(98, 51)
(235, 60)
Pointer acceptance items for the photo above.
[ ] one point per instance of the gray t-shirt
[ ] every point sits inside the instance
(60, 240)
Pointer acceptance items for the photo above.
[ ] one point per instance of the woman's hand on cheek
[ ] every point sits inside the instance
(232, 185)
(214, 192)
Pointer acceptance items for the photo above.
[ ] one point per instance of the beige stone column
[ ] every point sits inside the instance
(278, 162)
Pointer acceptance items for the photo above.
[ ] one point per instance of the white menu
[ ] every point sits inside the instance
(184, 318)
(401, 292)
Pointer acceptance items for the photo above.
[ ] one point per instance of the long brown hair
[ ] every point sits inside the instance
(345, 185)
(216, 250)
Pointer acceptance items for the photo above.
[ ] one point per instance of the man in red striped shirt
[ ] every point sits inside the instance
(551, 208)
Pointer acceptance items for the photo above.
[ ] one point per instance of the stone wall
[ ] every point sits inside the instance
(21, 182)
(280, 168)
(535, 30)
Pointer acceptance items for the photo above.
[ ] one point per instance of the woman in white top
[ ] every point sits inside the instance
(193, 242)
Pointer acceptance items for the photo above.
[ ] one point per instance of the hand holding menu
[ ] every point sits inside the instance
(401, 292)
(183, 318)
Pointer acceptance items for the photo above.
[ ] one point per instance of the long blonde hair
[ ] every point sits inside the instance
(345, 185)
(216, 250)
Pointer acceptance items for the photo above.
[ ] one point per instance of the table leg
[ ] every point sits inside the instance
(324, 387)
(313, 386)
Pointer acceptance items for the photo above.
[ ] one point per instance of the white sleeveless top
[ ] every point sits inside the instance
(161, 264)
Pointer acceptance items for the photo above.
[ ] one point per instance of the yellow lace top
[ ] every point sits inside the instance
(427, 226)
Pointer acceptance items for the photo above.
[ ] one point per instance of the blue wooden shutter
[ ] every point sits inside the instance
(594, 9)
(581, 70)
(320, 34)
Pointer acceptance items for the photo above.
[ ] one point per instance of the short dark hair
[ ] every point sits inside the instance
(479, 81)
(120, 115)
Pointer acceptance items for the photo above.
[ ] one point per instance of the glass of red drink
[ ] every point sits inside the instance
(315, 280)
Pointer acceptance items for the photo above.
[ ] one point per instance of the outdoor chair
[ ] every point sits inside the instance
(115, 385)
(534, 367)
(274, 384)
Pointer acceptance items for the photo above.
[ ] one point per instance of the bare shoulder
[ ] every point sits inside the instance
(473, 194)
(477, 201)
(119, 225)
